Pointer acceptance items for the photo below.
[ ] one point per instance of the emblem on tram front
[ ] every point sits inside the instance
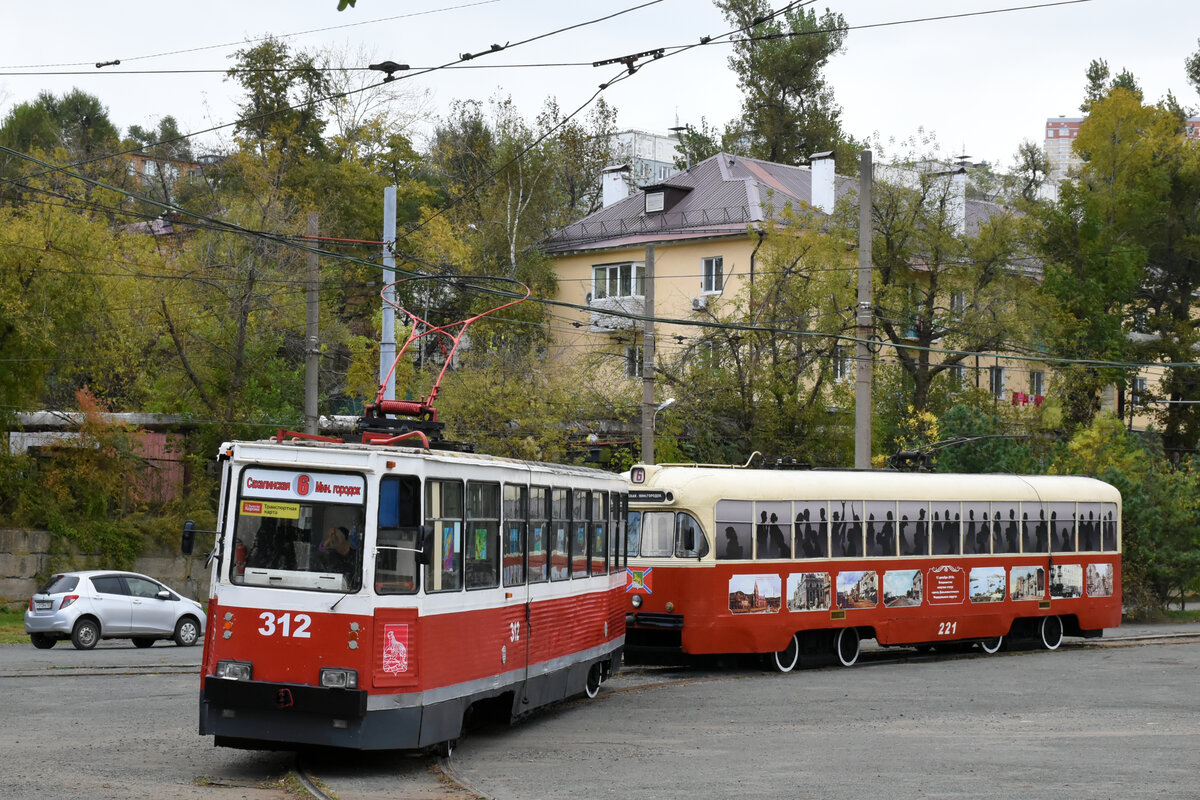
(395, 649)
(638, 580)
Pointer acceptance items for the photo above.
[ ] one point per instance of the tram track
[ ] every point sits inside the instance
(639, 678)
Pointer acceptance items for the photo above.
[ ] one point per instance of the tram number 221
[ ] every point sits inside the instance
(947, 628)
(282, 624)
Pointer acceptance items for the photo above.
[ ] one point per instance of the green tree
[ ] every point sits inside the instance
(788, 108)
(284, 104)
(771, 387)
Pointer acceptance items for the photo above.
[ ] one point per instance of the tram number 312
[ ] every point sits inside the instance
(947, 628)
(282, 624)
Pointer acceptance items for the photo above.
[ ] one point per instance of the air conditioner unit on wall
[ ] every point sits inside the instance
(699, 303)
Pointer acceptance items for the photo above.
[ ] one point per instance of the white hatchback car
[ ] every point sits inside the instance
(86, 607)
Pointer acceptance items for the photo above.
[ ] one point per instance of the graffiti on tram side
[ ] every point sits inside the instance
(808, 591)
(755, 594)
(903, 587)
(857, 589)
(1027, 583)
(987, 584)
(1100, 580)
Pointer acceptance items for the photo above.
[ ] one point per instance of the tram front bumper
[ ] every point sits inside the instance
(221, 693)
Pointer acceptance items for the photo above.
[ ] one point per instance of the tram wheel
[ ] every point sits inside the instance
(847, 646)
(592, 685)
(1051, 631)
(991, 646)
(785, 659)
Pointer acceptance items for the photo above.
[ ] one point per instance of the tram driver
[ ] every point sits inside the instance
(336, 552)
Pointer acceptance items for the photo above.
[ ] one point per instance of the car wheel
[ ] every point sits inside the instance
(143, 641)
(85, 635)
(187, 632)
(42, 641)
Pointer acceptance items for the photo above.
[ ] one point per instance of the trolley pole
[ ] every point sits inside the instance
(648, 360)
(312, 350)
(865, 320)
(387, 337)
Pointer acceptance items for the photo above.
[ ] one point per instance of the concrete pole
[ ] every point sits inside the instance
(648, 360)
(387, 335)
(865, 321)
(312, 349)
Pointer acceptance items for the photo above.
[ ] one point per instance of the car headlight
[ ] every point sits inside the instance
(637, 601)
(235, 670)
(339, 678)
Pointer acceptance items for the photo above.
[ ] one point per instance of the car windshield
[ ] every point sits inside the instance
(60, 584)
(295, 541)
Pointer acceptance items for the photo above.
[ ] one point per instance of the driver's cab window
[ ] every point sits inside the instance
(398, 535)
(690, 541)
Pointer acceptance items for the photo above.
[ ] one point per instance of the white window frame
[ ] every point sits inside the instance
(843, 364)
(617, 277)
(1037, 382)
(712, 275)
(634, 360)
(1138, 390)
(996, 381)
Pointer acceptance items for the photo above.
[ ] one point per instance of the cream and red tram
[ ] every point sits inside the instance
(783, 562)
(462, 578)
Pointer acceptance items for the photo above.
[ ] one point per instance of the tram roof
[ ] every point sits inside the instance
(300, 452)
(767, 484)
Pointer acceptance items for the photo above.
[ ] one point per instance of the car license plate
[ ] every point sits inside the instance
(42, 605)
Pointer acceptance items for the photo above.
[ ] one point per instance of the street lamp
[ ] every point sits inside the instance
(661, 406)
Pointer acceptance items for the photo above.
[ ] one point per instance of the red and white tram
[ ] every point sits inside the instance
(365, 596)
(784, 562)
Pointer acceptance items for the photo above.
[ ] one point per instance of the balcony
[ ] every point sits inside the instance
(602, 322)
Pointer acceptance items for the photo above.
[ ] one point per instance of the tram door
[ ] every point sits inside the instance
(526, 557)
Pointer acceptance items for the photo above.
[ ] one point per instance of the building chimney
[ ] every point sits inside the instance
(615, 183)
(823, 181)
(956, 203)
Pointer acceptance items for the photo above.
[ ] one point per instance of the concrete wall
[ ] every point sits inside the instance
(24, 554)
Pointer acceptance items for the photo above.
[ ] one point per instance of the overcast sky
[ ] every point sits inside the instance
(981, 84)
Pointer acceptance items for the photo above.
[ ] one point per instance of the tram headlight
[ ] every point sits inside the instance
(339, 678)
(235, 670)
(637, 601)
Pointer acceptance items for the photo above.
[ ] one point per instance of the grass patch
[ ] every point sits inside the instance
(12, 627)
(1190, 615)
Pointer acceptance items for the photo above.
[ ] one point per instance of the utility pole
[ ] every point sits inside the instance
(387, 334)
(865, 321)
(312, 350)
(647, 358)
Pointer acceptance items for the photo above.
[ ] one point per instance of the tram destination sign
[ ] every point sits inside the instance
(650, 496)
(324, 487)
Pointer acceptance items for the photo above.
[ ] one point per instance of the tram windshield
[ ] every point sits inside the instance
(296, 539)
(663, 534)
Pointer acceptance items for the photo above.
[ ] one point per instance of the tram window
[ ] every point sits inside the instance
(947, 528)
(539, 533)
(616, 530)
(1062, 527)
(444, 511)
(633, 533)
(773, 530)
(882, 528)
(599, 542)
(976, 528)
(1033, 528)
(1090, 534)
(846, 528)
(812, 530)
(515, 513)
(912, 529)
(580, 522)
(735, 529)
(1006, 528)
(560, 521)
(483, 535)
(658, 534)
(690, 541)
(1108, 529)
(397, 535)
